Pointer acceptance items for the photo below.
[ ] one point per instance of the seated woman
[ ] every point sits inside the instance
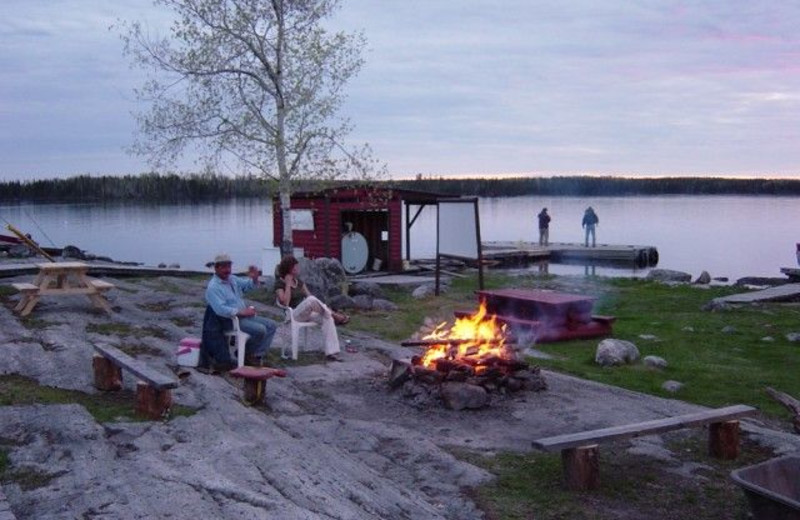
(292, 292)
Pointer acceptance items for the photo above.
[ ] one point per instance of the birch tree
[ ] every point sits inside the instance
(256, 82)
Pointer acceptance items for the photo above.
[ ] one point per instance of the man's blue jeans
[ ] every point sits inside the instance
(261, 331)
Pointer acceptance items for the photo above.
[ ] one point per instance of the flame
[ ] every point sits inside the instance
(481, 336)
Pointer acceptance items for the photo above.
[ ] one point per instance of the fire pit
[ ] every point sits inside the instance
(465, 363)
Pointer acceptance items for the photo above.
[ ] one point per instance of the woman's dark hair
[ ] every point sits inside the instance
(286, 264)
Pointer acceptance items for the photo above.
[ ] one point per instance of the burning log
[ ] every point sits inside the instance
(453, 342)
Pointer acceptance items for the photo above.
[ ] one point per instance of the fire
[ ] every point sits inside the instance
(472, 337)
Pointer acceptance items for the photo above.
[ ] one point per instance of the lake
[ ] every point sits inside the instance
(731, 236)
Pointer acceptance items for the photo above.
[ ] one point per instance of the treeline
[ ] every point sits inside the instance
(149, 187)
(154, 187)
(603, 186)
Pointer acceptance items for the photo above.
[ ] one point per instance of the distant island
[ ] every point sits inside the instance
(155, 188)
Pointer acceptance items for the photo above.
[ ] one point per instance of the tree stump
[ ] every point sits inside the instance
(723, 440)
(151, 402)
(581, 468)
(107, 375)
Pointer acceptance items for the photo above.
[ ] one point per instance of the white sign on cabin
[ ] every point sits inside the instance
(302, 219)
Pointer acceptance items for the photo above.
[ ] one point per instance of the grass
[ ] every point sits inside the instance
(104, 407)
(155, 306)
(717, 368)
(631, 486)
(183, 322)
(137, 349)
(123, 329)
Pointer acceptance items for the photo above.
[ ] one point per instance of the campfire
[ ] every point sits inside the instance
(463, 363)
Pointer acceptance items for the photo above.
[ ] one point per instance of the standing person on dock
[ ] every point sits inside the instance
(544, 228)
(590, 222)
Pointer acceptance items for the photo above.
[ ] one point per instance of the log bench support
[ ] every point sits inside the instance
(580, 453)
(255, 382)
(153, 390)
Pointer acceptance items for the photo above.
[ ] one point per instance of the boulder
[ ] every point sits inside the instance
(612, 352)
(704, 278)
(672, 386)
(458, 396)
(649, 337)
(341, 301)
(728, 329)
(369, 288)
(383, 305)
(423, 291)
(323, 276)
(73, 252)
(20, 251)
(668, 275)
(363, 301)
(793, 337)
(768, 339)
(655, 362)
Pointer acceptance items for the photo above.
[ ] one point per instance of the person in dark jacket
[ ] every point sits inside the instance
(544, 228)
(224, 296)
(215, 356)
(590, 222)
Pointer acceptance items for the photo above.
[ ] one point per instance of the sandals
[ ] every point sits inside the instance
(341, 319)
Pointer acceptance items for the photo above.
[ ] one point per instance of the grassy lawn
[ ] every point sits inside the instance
(717, 368)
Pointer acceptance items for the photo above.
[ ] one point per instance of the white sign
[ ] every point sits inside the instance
(302, 219)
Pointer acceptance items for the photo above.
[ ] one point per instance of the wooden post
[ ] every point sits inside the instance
(723, 440)
(581, 468)
(151, 402)
(254, 391)
(107, 375)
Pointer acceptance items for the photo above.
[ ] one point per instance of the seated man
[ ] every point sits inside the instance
(224, 296)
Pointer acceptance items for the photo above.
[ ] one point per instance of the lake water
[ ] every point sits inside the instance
(730, 236)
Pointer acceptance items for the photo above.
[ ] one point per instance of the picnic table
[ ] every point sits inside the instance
(62, 279)
(553, 316)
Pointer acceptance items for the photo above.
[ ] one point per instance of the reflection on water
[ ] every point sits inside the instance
(725, 235)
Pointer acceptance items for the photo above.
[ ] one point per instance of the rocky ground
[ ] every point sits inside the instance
(333, 442)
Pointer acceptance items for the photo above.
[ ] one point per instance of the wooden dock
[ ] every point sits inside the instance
(508, 253)
(792, 273)
(112, 270)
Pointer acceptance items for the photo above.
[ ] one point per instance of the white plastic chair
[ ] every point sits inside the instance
(296, 327)
(237, 341)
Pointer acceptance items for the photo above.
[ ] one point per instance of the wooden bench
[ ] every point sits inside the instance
(579, 455)
(255, 381)
(153, 390)
(27, 290)
(101, 285)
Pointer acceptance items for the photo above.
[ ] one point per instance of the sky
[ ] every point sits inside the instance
(457, 87)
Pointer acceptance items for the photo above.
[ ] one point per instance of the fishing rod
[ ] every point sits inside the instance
(39, 228)
(27, 241)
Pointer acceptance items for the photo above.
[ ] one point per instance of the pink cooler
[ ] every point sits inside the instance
(188, 352)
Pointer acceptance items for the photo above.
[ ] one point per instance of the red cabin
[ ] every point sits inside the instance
(352, 224)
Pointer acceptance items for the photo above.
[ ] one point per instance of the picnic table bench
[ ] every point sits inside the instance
(62, 279)
(579, 452)
(153, 390)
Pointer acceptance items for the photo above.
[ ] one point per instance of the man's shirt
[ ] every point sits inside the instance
(225, 297)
